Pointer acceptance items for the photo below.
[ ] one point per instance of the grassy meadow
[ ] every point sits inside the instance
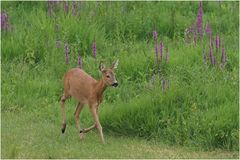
(178, 75)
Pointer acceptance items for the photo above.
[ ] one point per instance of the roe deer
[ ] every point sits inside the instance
(87, 90)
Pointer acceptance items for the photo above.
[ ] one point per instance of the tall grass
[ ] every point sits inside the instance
(198, 108)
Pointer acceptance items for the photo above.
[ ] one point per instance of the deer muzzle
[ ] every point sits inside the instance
(115, 84)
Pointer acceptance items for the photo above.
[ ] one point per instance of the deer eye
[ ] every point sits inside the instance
(108, 76)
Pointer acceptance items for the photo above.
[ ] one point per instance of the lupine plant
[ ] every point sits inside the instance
(199, 21)
(196, 31)
(159, 49)
(4, 21)
(219, 47)
(51, 5)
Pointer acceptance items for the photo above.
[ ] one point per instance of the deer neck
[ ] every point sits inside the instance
(100, 88)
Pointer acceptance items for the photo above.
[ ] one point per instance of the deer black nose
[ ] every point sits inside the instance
(115, 84)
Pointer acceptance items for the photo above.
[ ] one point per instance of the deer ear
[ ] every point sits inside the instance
(101, 66)
(115, 64)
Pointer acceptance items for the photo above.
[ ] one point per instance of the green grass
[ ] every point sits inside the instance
(199, 110)
(26, 137)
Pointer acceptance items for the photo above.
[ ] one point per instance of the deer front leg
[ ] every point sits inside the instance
(97, 122)
(77, 113)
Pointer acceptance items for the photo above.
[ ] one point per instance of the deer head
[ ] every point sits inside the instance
(108, 75)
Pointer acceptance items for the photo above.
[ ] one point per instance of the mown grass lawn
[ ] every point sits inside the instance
(27, 137)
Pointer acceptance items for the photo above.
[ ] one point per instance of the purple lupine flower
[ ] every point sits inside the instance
(166, 55)
(79, 61)
(2, 20)
(156, 51)
(66, 53)
(199, 21)
(210, 55)
(94, 49)
(54, 3)
(204, 56)
(208, 30)
(65, 6)
(161, 50)
(155, 35)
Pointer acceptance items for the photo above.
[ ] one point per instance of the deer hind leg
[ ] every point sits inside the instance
(85, 130)
(94, 112)
(64, 124)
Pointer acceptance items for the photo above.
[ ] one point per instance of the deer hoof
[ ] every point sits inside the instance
(63, 128)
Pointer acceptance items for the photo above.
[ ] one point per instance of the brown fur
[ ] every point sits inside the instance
(86, 90)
